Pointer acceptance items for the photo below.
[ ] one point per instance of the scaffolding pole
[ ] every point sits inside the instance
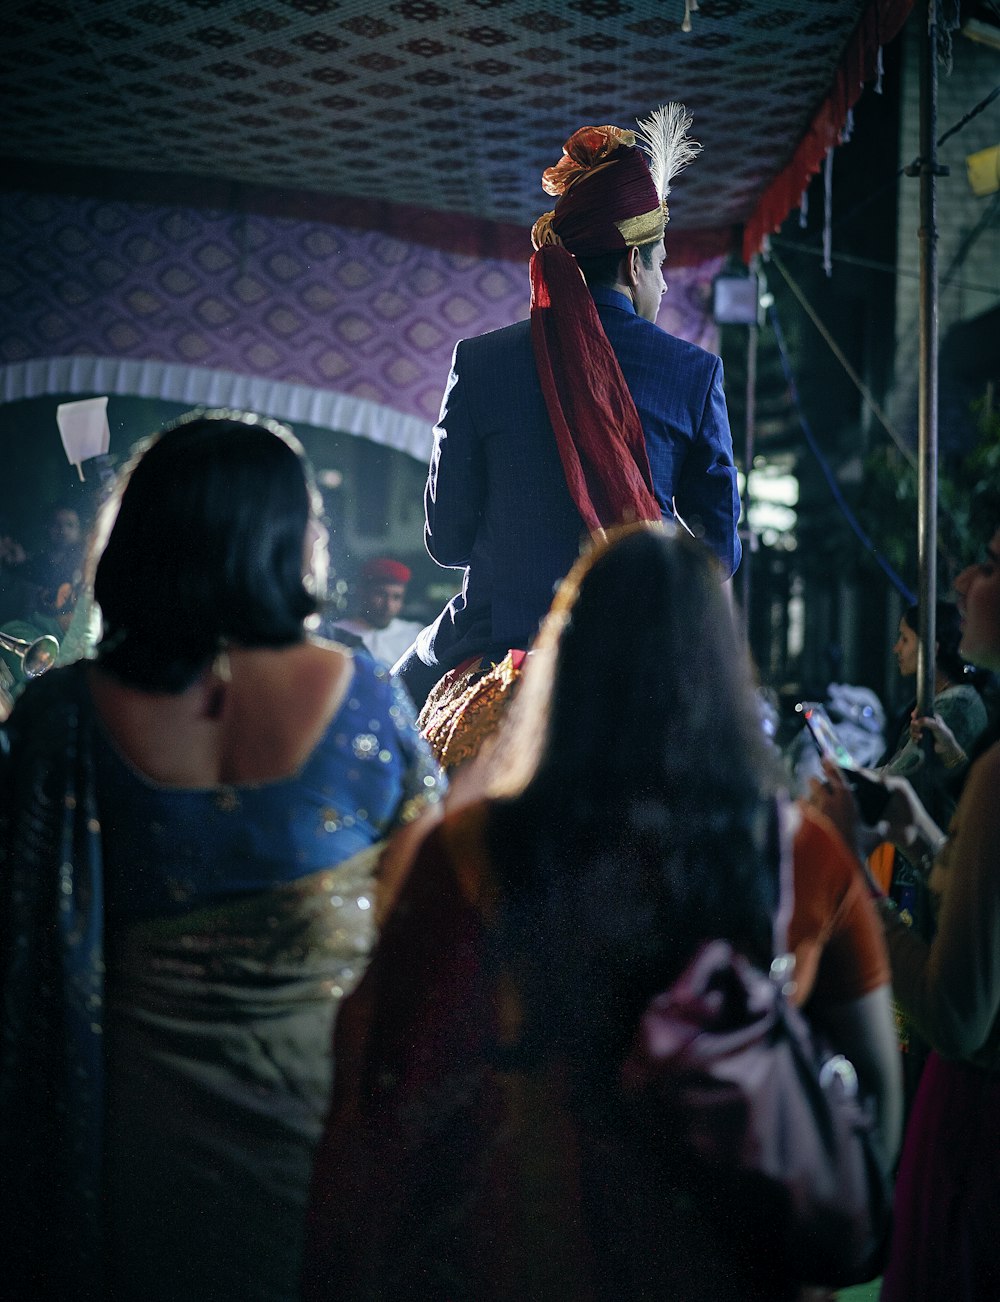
(927, 417)
(749, 551)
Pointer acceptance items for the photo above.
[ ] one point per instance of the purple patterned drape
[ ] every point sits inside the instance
(150, 291)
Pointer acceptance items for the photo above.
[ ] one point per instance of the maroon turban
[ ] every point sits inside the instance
(607, 197)
(607, 201)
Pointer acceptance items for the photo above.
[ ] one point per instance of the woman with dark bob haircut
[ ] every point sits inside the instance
(192, 824)
(206, 549)
(480, 1144)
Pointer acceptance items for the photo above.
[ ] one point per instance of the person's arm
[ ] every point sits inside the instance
(946, 745)
(958, 719)
(864, 1031)
(906, 760)
(963, 713)
(408, 1044)
(951, 988)
(844, 968)
(905, 822)
(707, 493)
(423, 782)
(456, 478)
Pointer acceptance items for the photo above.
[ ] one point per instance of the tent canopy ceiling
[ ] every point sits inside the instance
(449, 106)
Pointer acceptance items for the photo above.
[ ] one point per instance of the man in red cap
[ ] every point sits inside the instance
(583, 417)
(380, 596)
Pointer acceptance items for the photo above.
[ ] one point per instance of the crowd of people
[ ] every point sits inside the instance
(39, 595)
(284, 1013)
(948, 984)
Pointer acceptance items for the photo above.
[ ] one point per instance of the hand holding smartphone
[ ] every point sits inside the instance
(871, 796)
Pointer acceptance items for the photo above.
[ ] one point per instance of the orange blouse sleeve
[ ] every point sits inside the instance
(835, 932)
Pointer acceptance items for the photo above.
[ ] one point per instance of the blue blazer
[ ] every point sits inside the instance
(496, 500)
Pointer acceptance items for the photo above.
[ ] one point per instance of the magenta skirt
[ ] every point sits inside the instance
(946, 1235)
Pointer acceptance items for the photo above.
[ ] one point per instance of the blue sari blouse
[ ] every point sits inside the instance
(167, 850)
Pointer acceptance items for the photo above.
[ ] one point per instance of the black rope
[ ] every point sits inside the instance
(908, 596)
(915, 165)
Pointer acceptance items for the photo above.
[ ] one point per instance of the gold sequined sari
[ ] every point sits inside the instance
(170, 966)
(219, 1026)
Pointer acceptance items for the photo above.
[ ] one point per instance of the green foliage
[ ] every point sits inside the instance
(887, 505)
(968, 501)
(982, 474)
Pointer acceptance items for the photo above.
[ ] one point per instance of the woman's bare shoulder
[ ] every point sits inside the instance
(255, 715)
(279, 704)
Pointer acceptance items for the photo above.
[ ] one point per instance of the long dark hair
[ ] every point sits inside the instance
(638, 814)
(948, 634)
(206, 547)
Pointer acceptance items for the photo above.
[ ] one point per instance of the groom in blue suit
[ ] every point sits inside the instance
(585, 416)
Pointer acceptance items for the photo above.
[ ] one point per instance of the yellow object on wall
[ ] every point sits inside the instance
(984, 170)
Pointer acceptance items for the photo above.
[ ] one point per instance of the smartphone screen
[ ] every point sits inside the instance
(824, 734)
(871, 796)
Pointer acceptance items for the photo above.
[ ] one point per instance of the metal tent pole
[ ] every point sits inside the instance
(928, 372)
(753, 331)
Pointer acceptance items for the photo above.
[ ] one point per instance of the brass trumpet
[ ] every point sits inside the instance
(36, 657)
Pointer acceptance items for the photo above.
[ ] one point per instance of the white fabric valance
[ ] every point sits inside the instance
(202, 387)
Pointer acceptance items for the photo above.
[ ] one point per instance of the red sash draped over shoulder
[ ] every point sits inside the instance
(597, 427)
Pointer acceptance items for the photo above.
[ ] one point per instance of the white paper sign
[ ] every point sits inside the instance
(84, 429)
